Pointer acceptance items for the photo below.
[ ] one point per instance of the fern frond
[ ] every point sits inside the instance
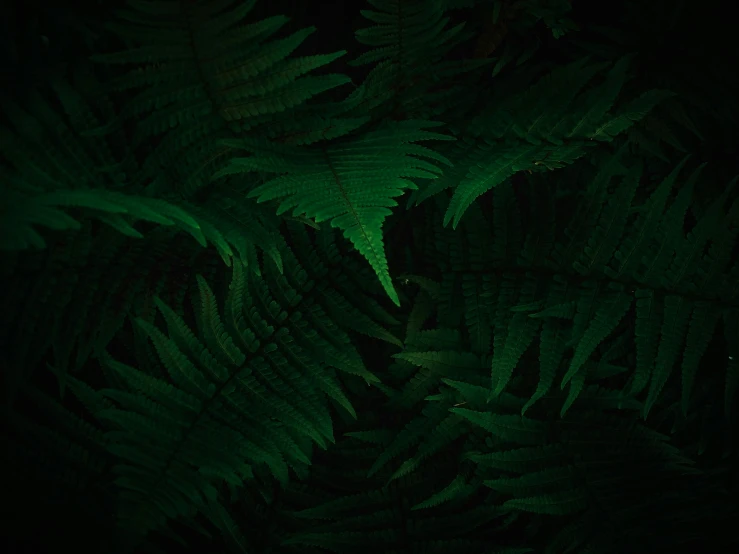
(208, 74)
(350, 184)
(211, 383)
(536, 130)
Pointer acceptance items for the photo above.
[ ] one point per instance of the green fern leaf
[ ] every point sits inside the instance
(521, 332)
(456, 489)
(553, 343)
(560, 503)
(703, 322)
(351, 183)
(508, 427)
(634, 244)
(610, 227)
(577, 383)
(217, 339)
(630, 114)
(502, 164)
(676, 319)
(538, 481)
(647, 337)
(598, 101)
(605, 320)
(522, 459)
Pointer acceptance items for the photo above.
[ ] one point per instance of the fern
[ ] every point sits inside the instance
(211, 381)
(552, 141)
(339, 189)
(555, 373)
(206, 89)
(59, 180)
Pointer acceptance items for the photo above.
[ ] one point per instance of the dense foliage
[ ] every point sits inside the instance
(399, 276)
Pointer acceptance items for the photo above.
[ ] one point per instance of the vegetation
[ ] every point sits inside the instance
(399, 276)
